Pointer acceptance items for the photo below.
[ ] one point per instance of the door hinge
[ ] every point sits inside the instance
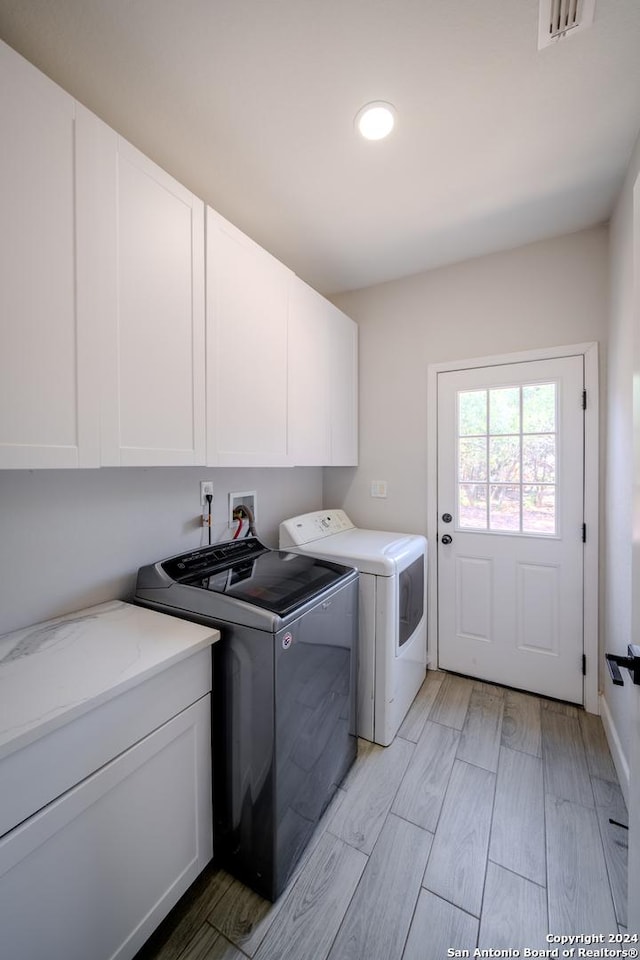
(584, 533)
(584, 399)
(584, 665)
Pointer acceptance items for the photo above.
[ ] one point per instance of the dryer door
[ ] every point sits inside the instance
(411, 600)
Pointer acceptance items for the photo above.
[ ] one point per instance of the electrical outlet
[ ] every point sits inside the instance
(206, 487)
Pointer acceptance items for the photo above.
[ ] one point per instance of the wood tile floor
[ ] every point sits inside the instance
(485, 823)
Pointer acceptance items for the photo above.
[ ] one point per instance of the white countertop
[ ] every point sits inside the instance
(55, 671)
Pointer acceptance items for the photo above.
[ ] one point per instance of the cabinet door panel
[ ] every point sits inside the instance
(344, 390)
(30, 780)
(96, 871)
(247, 303)
(47, 417)
(309, 384)
(154, 386)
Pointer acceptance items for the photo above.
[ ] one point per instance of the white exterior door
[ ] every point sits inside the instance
(510, 524)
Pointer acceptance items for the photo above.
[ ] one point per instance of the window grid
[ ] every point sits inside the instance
(532, 483)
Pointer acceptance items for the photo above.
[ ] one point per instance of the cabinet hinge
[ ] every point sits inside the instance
(584, 533)
(584, 399)
(584, 665)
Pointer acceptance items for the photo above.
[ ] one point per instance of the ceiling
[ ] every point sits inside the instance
(251, 105)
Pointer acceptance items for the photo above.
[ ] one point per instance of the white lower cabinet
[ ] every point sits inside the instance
(94, 872)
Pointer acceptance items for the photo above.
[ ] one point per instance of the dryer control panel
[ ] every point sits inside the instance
(313, 526)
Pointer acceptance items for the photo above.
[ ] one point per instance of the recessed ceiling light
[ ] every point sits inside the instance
(376, 120)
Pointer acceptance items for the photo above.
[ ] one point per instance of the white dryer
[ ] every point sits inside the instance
(392, 648)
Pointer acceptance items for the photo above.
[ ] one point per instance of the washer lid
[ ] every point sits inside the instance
(371, 551)
(246, 570)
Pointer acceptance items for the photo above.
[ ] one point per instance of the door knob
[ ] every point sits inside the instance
(631, 663)
(447, 539)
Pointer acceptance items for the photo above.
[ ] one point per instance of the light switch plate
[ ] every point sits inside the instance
(379, 488)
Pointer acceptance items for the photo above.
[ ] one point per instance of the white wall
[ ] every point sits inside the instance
(544, 294)
(72, 538)
(619, 709)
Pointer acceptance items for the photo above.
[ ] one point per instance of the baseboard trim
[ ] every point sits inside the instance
(619, 760)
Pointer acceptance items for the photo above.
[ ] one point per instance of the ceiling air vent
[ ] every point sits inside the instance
(562, 18)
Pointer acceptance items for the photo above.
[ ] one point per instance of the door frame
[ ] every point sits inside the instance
(589, 351)
(633, 793)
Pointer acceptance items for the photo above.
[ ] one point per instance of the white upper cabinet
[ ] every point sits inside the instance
(247, 306)
(101, 291)
(343, 379)
(323, 381)
(103, 317)
(153, 359)
(48, 340)
(309, 384)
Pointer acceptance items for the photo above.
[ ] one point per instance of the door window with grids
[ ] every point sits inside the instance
(506, 459)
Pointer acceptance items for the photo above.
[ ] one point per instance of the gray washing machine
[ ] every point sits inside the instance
(284, 693)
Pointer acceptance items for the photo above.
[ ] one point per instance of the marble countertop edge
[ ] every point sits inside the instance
(190, 639)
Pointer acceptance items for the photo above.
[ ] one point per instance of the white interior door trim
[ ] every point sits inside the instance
(591, 494)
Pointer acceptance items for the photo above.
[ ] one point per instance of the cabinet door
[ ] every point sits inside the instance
(344, 389)
(247, 303)
(95, 871)
(48, 347)
(153, 348)
(309, 386)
